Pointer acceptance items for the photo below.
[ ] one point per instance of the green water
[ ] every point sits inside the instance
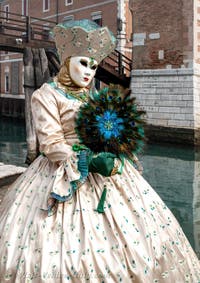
(173, 171)
(12, 141)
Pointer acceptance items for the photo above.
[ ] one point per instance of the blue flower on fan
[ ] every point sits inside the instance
(109, 124)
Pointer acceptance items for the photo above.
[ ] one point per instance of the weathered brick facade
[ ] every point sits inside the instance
(163, 34)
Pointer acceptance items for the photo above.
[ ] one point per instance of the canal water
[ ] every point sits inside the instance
(173, 171)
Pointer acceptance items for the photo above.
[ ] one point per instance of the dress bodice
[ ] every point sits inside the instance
(54, 118)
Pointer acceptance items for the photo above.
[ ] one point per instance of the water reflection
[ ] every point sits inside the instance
(196, 202)
(12, 141)
(173, 171)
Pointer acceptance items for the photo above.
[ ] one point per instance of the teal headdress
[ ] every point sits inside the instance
(83, 38)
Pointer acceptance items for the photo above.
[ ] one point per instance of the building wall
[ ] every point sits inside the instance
(166, 95)
(58, 11)
(163, 34)
(171, 99)
(197, 32)
(196, 98)
(79, 10)
(166, 76)
(8, 62)
(188, 32)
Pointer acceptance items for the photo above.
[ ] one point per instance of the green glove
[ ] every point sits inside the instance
(103, 163)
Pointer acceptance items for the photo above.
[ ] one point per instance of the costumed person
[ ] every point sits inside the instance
(56, 225)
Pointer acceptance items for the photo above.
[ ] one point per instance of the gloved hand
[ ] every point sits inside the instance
(103, 163)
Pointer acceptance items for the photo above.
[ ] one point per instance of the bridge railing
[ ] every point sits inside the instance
(25, 27)
(118, 63)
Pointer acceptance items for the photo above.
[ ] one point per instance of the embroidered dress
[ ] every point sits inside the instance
(136, 239)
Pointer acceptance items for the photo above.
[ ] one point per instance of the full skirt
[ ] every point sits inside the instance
(137, 238)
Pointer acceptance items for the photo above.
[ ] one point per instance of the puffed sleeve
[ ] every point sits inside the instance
(48, 126)
(53, 144)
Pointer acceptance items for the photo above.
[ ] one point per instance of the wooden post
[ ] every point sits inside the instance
(35, 74)
(120, 66)
(28, 28)
(53, 62)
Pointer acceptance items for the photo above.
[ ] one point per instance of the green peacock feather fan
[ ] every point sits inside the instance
(111, 122)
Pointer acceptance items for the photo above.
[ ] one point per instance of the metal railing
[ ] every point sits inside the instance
(120, 63)
(25, 27)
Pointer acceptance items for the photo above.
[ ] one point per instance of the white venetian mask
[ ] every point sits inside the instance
(82, 70)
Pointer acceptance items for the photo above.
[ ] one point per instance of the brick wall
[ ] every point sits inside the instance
(163, 34)
(79, 9)
(197, 32)
(166, 76)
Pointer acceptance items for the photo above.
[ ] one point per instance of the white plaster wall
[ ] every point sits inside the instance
(171, 97)
(197, 98)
